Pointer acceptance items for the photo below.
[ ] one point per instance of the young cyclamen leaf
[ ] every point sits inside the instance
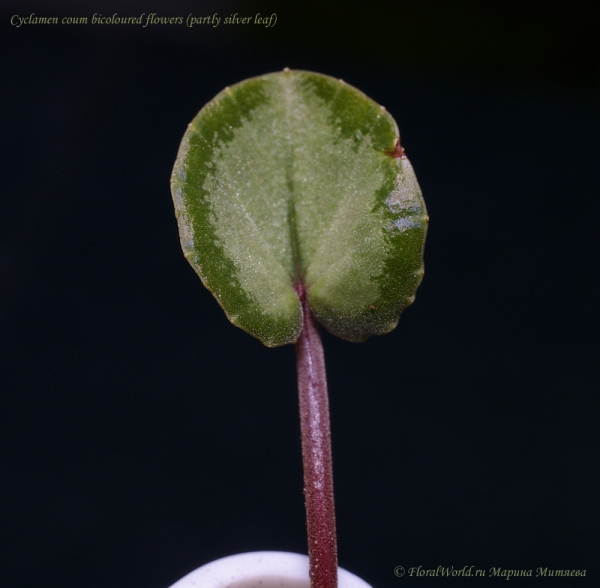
(295, 180)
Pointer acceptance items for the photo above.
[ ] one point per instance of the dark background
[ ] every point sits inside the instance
(142, 435)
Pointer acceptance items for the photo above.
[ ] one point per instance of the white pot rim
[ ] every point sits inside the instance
(260, 569)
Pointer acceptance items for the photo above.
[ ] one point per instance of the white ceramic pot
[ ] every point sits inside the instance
(260, 569)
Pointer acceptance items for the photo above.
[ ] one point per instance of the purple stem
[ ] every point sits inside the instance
(316, 452)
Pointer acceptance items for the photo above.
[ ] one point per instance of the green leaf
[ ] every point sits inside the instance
(298, 178)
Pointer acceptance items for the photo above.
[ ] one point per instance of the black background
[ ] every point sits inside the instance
(143, 435)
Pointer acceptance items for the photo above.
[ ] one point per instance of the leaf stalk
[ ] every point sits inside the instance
(316, 452)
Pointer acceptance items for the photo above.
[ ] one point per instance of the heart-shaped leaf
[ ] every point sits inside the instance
(296, 182)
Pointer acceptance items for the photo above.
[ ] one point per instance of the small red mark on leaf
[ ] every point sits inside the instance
(372, 307)
(398, 152)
